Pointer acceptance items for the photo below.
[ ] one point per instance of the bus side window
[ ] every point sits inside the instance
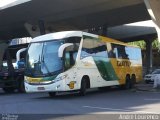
(121, 52)
(74, 56)
(93, 47)
(72, 60)
(111, 50)
(70, 57)
(67, 60)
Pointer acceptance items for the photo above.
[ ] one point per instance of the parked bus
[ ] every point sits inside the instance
(76, 60)
(12, 69)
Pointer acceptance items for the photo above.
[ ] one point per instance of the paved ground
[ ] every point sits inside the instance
(95, 102)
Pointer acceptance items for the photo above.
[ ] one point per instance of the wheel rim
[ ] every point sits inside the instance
(133, 81)
(128, 84)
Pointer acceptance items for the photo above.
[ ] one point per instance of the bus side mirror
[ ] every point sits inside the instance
(21, 63)
(62, 48)
(18, 53)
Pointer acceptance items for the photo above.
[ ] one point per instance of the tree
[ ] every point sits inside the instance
(142, 44)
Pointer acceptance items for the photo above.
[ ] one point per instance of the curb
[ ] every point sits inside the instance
(148, 90)
(145, 88)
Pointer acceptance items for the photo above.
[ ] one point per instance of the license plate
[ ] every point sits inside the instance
(33, 80)
(40, 88)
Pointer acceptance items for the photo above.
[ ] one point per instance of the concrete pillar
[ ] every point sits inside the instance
(41, 27)
(3, 46)
(104, 30)
(153, 7)
(149, 55)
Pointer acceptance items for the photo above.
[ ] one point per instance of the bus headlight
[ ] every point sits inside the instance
(60, 78)
(25, 79)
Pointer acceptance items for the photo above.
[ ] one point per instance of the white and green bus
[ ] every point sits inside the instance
(76, 60)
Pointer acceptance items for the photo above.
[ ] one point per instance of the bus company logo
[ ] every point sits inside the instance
(124, 63)
(72, 84)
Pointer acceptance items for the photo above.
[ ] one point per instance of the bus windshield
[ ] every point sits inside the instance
(43, 60)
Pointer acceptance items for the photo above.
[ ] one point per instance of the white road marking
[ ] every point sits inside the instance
(107, 108)
(121, 110)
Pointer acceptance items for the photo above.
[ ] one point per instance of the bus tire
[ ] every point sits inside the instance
(8, 89)
(128, 82)
(52, 94)
(147, 82)
(133, 81)
(21, 87)
(83, 87)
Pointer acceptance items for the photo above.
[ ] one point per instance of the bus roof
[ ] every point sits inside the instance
(67, 34)
(57, 35)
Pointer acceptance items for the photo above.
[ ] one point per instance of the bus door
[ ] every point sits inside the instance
(70, 55)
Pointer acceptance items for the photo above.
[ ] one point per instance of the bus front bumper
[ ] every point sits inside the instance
(54, 87)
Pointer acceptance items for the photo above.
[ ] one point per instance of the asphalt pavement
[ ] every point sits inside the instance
(96, 104)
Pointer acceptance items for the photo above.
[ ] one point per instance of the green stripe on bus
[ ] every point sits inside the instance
(105, 68)
(49, 78)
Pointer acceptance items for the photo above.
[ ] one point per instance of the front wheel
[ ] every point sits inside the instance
(128, 83)
(147, 82)
(21, 87)
(8, 89)
(83, 87)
